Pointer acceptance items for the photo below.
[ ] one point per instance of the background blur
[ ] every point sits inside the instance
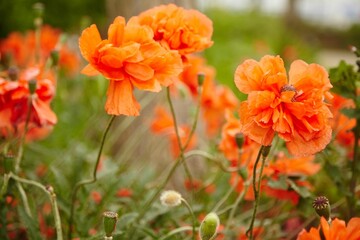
(314, 30)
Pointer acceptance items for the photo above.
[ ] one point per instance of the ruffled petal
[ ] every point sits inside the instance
(120, 99)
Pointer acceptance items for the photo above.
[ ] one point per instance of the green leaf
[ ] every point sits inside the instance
(31, 225)
(279, 183)
(351, 112)
(343, 78)
(302, 191)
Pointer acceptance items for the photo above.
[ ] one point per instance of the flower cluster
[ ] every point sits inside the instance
(136, 55)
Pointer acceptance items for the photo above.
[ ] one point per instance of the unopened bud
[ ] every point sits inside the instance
(32, 86)
(265, 151)
(239, 139)
(110, 219)
(209, 226)
(322, 207)
(54, 57)
(201, 78)
(13, 73)
(38, 9)
(243, 173)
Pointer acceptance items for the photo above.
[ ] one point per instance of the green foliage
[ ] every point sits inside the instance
(17, 15)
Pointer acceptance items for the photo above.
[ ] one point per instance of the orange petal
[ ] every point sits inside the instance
(151, 85)
(89, 70)
(120, 99)
(353, 229)
(139, 71)
(116, 31)
(44, 113)
(88, 41)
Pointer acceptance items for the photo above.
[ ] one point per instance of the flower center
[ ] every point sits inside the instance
(290, 88)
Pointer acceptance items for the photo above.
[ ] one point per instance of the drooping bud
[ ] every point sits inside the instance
(13, 73)
(201, 78)
(110, 219)
(322, 207)
(54, 57)
(209, 226)
(239, 139)
(32, 86)
(265, 151)
(170, 198)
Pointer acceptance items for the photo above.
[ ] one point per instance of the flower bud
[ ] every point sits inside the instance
(13, 73)
(110, 219)
(170, 198)
(209, 226)
(54, 57)
(322, 207)
(32, 86)
(239, 139)
(265, 151)
(201, 78)
(38, 9)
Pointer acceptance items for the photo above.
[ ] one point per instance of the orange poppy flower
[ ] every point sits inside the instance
(185, 30)
(337, 230)
(293, 109)
(164, 124)
(128, 58)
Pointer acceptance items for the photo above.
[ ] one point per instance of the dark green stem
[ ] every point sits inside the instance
(88, 181)
(256, 189)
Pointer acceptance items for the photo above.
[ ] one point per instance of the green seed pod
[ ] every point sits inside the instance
(322, 207)
(239, 139)
(266, 150)
(110, 219)
(209, 226)
(201, 79)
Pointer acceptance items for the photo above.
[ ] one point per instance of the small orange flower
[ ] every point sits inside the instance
(124, 192)
(128, 58)
(293, 109)
(341, 124)
(163, 124)
(185, 30)
(337, 230)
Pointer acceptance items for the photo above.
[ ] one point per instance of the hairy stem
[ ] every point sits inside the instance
(256, 189)
(88, 181)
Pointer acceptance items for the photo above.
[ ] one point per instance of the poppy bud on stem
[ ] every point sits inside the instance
(322, 207)
(201, 78)
(110, 219)
(209, 226)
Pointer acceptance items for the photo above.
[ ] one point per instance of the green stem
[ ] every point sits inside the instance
(256, 189)
(24, 199)
(193, 218)
(236, 204)
(49, 191)
(176, 231)
(179, 160)
(181, 148)
(88, 181)
(23, 137)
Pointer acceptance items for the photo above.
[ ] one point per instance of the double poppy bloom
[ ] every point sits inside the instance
(143, 53)
(294, 108)
(18, 101)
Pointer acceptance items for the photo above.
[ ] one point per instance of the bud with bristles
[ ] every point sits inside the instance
(322, 207)
(201, 79)
(110, 219)
(265, 151)
(209, 226)
(239, 139)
